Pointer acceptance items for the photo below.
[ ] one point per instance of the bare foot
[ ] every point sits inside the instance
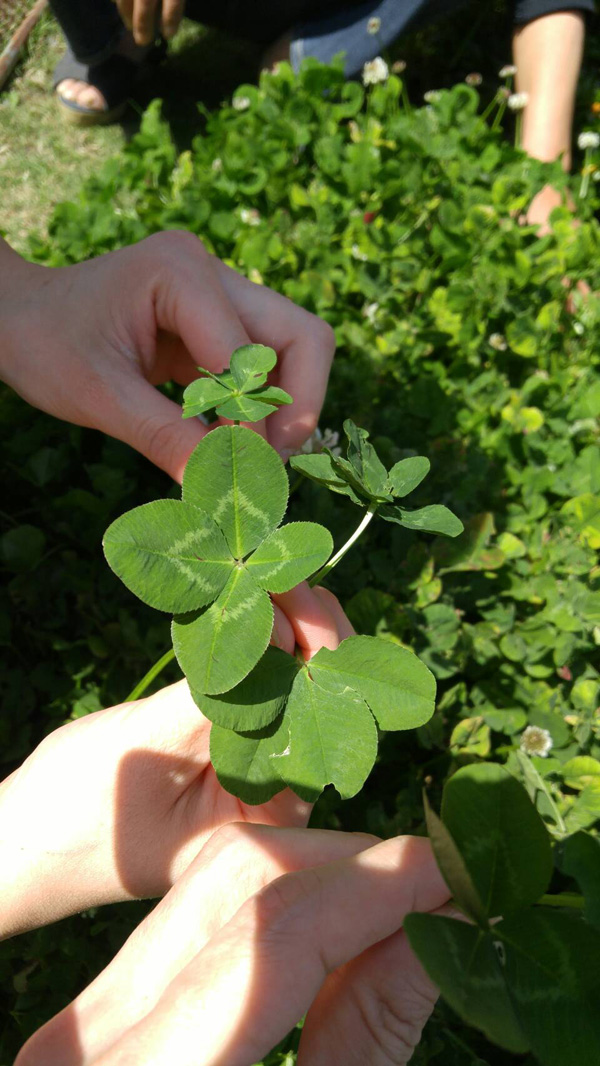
(79, 92)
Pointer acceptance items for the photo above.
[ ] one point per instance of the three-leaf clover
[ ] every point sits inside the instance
(213, 557)
(308, 725)
(239, 393)
(364, 479)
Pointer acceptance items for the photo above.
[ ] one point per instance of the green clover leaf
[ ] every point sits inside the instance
(324, 714)
(239, 393)
(213, 557)
(364, 479)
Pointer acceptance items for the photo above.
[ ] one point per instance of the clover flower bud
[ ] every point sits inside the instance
(241, 103)
(250, 216)
(536, 741)
(507, 71)
(399, 66)
(474, 79)
(497, 341)
(588, 139)
(373, 26)
(517, 101)
(216, 165)
(375, 71)
(431, 96)
(503, 92)
(370, 312)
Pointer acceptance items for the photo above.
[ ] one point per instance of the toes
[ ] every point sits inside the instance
(80, 92)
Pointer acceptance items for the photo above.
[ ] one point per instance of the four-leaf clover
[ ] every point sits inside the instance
(240, 392)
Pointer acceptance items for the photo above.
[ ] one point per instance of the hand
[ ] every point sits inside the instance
(265, 925)
(87, 343)
(142, 16)
(116, 805)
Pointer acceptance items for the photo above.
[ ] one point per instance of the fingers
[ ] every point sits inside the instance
(259, 974)
(305, 346)
(283, 633)
(310, 617)
(172, 13)
(333, 605)
(239, 858)
(152, 424)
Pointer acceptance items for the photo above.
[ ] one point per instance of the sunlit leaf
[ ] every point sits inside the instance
(289, 555)
(434, 518)
(407, 474)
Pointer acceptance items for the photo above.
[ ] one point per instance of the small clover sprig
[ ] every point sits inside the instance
(239, 393)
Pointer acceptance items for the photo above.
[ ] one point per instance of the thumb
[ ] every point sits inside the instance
(152, 424)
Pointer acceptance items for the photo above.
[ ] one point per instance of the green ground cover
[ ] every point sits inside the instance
(401, 227)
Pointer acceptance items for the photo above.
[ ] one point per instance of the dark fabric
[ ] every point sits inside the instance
(319, 28)
(527, 10)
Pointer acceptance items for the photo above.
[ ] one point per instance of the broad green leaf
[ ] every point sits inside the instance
(464, 963)
(244, 409)
(407, 474)
(432, 519)
(580, 771)
(258, 700)
(585, 812)
(333, 740)
(250, 364)
(500, 835)
(272, 394)
(471, 736)
(320, 468)
(202, 395)
(243, 763)
(290, 555)
(396, 685)
(453, 867)
(364, 459)
(237, 478)
(218, 647)
(171, 555)
(552, 968)
(581, 860)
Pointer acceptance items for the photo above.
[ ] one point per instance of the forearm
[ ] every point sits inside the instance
(18, 279)
(547, 53)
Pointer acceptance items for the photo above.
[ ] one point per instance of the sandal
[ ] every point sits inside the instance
(115, 77)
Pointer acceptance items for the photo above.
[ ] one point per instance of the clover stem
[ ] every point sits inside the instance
(562, 899)
(148, 678)
(320, 574)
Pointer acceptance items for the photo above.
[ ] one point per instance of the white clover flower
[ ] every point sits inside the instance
(578, 328)
(588, 139)
(241, 103)
(536, 741)
(357, 254)
(517, 101)
(319, 440)
(250, 216)
(507, 71)
(497, 341)
(596, 175)
(373, 26)
(370, 312)
(399, 66)
(216, 165)
(474, 79)
(432, 96)
(375, 71)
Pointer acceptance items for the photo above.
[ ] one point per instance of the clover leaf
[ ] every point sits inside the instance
(364, 479)
(213, 557)
(239, 393)
(308, 725)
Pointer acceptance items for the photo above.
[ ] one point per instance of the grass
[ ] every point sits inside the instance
(44, 160)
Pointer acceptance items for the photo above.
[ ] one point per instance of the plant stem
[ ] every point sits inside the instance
(562, 899)
(148, 678)
(585, 176)
(320, 574)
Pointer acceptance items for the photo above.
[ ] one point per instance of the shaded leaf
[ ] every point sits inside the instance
(552, 968)
(244, 409)
(290, 555)
(202, 395)
(243, 763)
(241, 482)
(407, 474)
(396, 685)
(453, 867)
(581, 860)
(362, 456)
(250, 364)
(258, 700)
(320, 468)
(464, 964)
(434, 518)
(333, 740)
(218, 647)
(171, 555)
(500, 835)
